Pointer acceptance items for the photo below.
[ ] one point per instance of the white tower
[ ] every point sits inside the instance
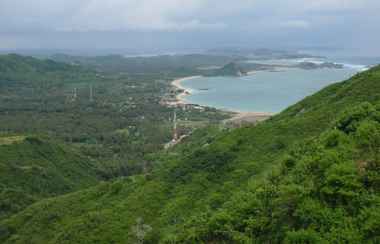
(175, 133)
(91, 94)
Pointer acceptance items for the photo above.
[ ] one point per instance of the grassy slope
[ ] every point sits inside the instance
(32, 169)
(197, 177)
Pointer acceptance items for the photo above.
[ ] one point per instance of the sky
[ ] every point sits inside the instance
(190, 24)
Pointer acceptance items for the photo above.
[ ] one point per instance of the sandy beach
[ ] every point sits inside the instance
(252, 72)
(247, 117)
(185, 91)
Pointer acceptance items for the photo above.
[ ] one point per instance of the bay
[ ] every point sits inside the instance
(263, 91)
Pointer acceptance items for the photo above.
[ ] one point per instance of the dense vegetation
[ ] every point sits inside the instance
(307, 175)
(103, 125)
(325, 191)
(113, 117)
(32, 168)
(14, 67)
(164, 64)
(229, 63)
(171, 65)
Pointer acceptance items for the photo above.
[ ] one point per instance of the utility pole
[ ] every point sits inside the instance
(75, 94)
(91, 94)
(175, 133)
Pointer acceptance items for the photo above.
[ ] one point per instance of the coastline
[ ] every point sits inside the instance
(241, 117)
(237, 117)
(177, 98)
(184, 91)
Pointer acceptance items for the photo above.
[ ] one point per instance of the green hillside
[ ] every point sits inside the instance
(308, 175)
(32, 168)
(326, 190)
(15, 67)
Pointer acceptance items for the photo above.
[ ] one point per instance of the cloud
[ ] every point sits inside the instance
(139, 15)
(231, 20)
(333, 5)
(95, 15)
(177, 15)
(297, 24)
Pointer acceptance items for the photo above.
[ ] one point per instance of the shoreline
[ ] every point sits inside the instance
(185, 91)
(240, 117)
(236, 116)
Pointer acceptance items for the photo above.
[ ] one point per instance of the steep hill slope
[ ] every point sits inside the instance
(32, 169)
(325, 191)
(197, 192)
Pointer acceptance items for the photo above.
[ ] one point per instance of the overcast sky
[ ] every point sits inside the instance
(181, 24)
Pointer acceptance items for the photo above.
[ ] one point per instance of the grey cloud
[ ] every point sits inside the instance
(154, 14)
(240, 21)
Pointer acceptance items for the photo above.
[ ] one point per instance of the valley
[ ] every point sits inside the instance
(82, 154)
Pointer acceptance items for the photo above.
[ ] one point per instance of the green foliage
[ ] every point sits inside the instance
(109, 134)
(55, 100)
(319, 195)
(350, 119)
(303, 236)
(179, 65)
(14, 67)
(33, 169)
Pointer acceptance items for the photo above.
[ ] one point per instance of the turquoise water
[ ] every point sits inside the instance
(263, 91)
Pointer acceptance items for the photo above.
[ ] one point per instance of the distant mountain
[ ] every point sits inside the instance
(259, 53)
(14, 67)
(153, 64)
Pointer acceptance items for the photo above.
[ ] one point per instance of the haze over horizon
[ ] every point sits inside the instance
(153, 25)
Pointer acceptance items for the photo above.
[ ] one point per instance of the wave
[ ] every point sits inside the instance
(358, 67)
(311, 60)
(317, 61)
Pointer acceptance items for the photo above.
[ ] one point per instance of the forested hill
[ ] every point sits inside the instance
(179, 64)
(308, 175)
(14, 67)
(33, 168)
